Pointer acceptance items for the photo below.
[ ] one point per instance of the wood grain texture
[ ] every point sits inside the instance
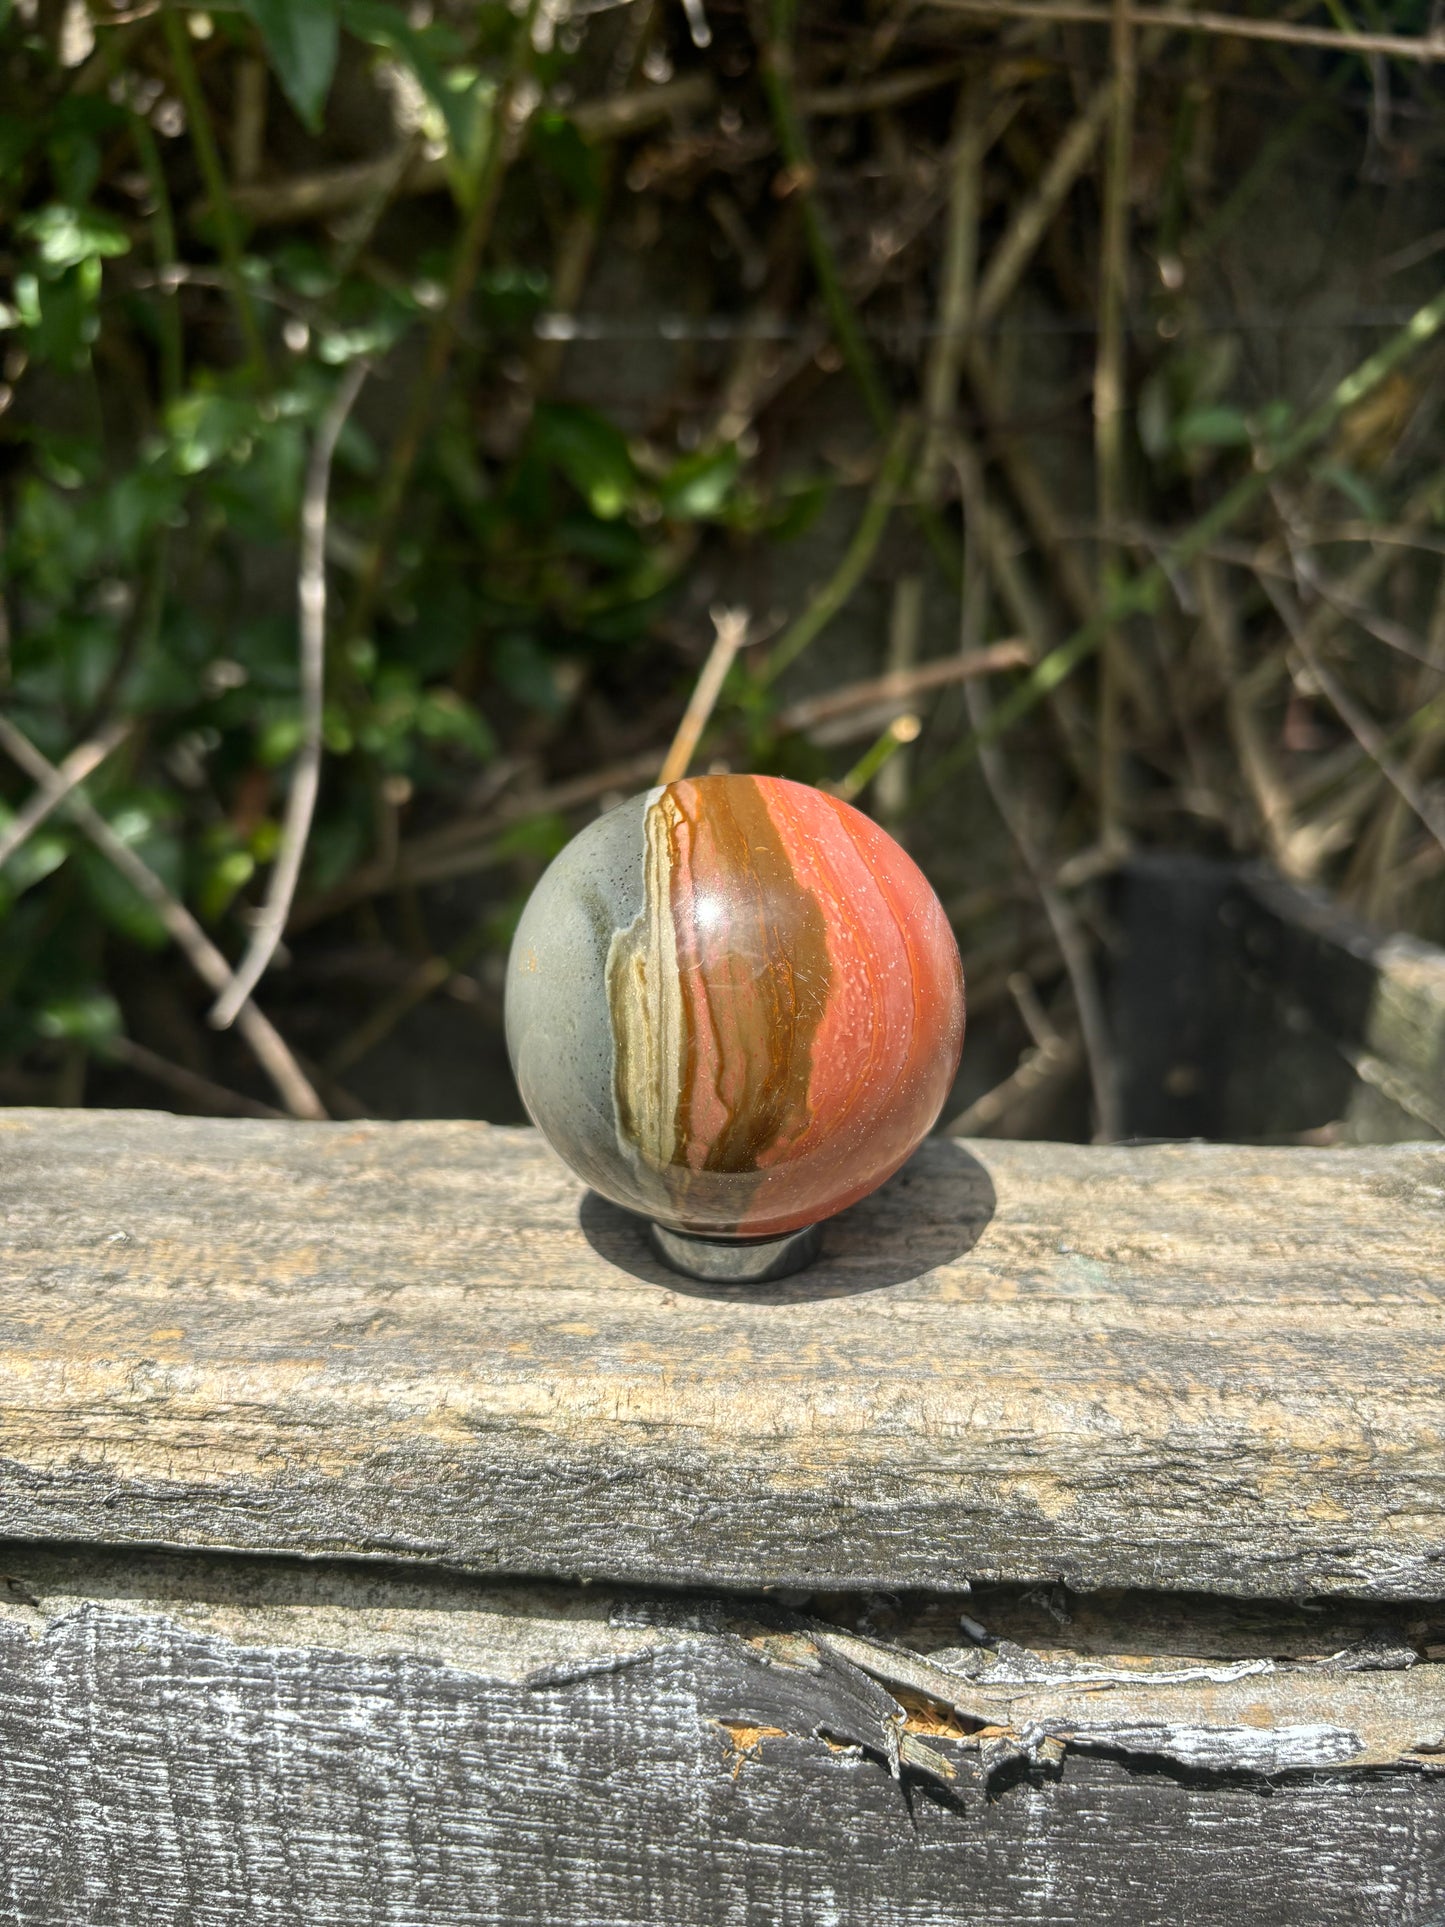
(1177, 1366)
(205, 1744)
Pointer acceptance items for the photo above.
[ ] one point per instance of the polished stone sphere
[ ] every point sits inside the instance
(734, 1005)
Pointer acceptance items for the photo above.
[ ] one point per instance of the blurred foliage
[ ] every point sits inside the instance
(152, 475)
(520, 571)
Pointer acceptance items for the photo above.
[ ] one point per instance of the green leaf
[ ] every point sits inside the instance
(1355, 489)
(543, 835)
(90, 1020)
(591, 453)
(64, 236)
(279, 740)
(75, 140)
(301, 41)
(1216, 425)
(564, 154)
(445, 717)
(117, 901)
(207, 426)
(220, 881)
(523, 669)
(614, 546)
(800, 509)
(698, 486)
(381, 23)
(38, 857)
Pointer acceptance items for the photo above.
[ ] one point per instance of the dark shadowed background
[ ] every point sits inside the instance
(1077, 369)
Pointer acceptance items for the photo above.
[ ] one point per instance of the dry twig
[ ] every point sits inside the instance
(1039, 1067)
(1062, 921)
(306, 776)
(212, 1099)
(1365, 730)
(1385, 842)
(333, 190)
(1282, 33)
(271, 1049)
(903, 686)
(1032, 217)
(80, 763)
(878, 757)
(1266, 786)
(1109, 412)
(1140, 595)
(731, 626)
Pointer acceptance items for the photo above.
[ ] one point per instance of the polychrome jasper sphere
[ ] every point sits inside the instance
(734, 1005)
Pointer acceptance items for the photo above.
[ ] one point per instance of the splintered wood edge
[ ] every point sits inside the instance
(956, 1716)
(1178, 1366)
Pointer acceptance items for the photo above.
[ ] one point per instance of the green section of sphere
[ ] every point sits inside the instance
(559, 1029)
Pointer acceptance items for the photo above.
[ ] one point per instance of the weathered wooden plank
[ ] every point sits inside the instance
(208, 1744)
(1176, 1366)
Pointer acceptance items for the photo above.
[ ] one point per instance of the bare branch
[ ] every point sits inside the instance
(1109, 403)
(309, 197)
(902, 686)
(1032, 217)
(271, 1049)
(1424, 47)
(215, 1099)
(1366, 732)
(306, 778)
(732, 634)
(79, 764)
(1060, 913)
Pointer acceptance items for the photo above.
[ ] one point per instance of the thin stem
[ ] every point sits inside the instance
(778, 69)
(1239, 26)
(1109, 410)
(53, 790)
(1056, 907)
(306, 777)
(1373, 740)
(208, 155)
(901, 731)
(214, 1100)
(904, 628)
(430, 384)
(731, 626)
(1020, 240)
(332, 190)
(172, 367)
(835, 592)
(270, 1048)
(956, 291)
(577, 246)
(1421, 753)
(1037, 1068)
(1142, 593)
(1264, 782)
(163, 229)
(902, 687)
